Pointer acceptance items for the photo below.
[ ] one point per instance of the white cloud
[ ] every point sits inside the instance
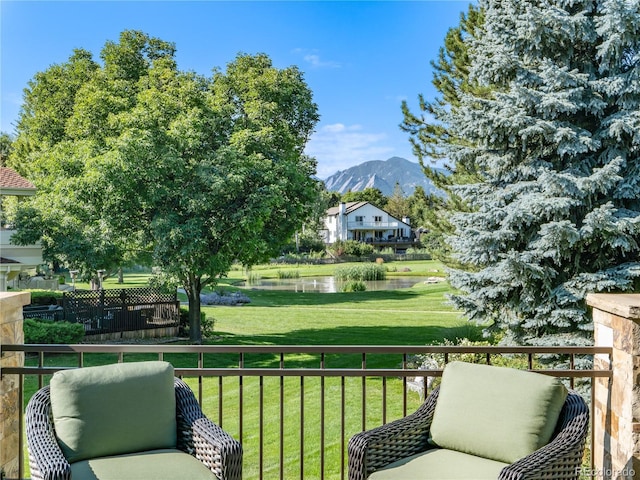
(313, 59)
(316, 62)
(338, 147)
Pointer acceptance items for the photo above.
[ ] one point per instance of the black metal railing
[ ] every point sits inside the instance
(295, 407)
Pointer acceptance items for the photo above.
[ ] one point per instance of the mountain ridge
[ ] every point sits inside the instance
(380, 174)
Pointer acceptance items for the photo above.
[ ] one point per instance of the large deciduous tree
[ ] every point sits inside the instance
(192, 172)
(555, 211)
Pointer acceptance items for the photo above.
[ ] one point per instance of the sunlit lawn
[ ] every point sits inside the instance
(414, 316)
(238, 274)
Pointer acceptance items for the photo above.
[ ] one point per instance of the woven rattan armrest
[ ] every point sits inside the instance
(199, 436)
(373, 449)
(46, 460)
(562, 457)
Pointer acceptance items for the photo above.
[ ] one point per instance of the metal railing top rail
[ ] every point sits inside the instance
(323, 370)
(172, 348)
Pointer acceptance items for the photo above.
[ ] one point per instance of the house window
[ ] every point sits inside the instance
(359, 218)
(377, 219)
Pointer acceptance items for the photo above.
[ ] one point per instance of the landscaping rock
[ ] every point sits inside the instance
(235, 298)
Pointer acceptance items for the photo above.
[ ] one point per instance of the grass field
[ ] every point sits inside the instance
(413, 316)
(238, 274)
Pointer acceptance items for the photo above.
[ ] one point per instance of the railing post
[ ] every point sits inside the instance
(616, 409)
(11, 333)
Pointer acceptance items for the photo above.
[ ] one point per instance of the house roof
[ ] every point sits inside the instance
(11, 183)
(349, 207)
(7, 260)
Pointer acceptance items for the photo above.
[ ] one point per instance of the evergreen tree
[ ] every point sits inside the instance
(6, 147)
(556, 212)
(397, 203)
(430, 135)
(372, 195)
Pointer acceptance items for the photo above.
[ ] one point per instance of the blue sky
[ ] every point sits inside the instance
(360, 58)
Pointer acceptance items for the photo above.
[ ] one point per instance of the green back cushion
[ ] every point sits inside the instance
(115, 409)
(498, 413)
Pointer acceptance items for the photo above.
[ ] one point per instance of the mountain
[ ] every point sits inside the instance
(380, 174)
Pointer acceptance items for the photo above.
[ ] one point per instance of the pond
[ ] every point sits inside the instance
(328, 284)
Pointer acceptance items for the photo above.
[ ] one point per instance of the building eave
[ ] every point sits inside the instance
(17, 192)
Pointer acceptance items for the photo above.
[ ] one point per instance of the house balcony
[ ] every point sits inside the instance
(372, 225)
(292, 408)
(295, 407)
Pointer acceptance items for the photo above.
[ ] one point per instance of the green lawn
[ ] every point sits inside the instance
(414, 316)
(238, 274)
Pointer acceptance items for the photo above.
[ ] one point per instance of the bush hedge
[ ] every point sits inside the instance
(45, 297)
(351, 248)
(38, 330)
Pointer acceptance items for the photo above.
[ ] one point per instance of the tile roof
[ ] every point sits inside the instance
(9, 179)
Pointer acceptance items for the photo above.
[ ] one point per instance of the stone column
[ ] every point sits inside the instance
(616, 321)
(11, 333)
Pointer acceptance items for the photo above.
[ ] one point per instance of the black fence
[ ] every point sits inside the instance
(47, 312)
(107, 311)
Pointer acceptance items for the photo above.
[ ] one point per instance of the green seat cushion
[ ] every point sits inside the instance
(164, 464)
(440, 464)
(114, 409)
(497, 413)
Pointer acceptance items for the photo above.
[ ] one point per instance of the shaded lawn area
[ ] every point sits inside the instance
(415, 316)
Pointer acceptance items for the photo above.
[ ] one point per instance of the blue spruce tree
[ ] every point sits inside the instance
(556, 212)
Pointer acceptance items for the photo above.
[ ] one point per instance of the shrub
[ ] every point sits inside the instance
(354, 286)
(351, 248)
(37, 330)
(206, 323)
(437, 360)
(417, 251)
(45, 297)
(362, 272)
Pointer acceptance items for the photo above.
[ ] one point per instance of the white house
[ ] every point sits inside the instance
(364, 222)
(15, 258)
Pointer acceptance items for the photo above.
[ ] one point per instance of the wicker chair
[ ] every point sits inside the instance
(197, 435)
(560, 459)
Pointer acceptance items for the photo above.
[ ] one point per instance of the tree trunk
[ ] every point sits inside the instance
(120, 275)
(193, 293)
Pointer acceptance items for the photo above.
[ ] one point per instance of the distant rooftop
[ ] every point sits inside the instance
(7, 260)
(349, 207)
(11, 183)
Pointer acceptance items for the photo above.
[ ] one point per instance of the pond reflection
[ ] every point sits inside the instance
(328, 284)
